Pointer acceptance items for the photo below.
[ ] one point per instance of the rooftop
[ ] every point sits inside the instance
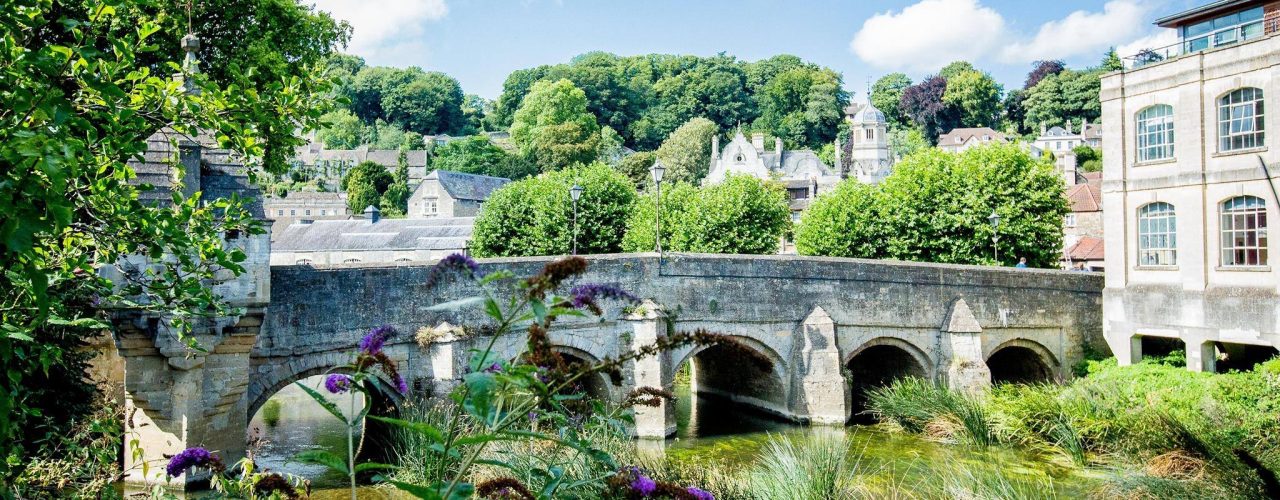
(1206, 10)
(436, 233)
(467, 186)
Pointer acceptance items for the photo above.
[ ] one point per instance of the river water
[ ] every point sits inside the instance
(711, 433)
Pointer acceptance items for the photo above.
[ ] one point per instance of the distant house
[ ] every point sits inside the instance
(299, 205)
(1082, 229)
(332, 164)
(960, 139)
(452, 194)
(1057, 139)
(370, 239)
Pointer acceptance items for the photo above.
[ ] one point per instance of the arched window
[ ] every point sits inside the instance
(1155, 133)
(1157, 235)
(1240, 119)
(740, 158)
(303, 262)
(351, 261)
(1244, 231)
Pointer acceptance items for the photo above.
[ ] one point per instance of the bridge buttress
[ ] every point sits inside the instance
(649, 323)
(824, 397)
(967, 368)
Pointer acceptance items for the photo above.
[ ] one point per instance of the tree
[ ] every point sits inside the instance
(343, 130)
(514, 89)
(475, 110)
(84, 88)
(1015, 112)
(845, 222)
(975, 97)
(956, 68)
(687, 151)
(742, 215)
(677, 200)
(1088, 158)
(636, 167)
(934, 208)
(534, 216)
(1042, 69)
(886, 95)
(905, 142)
(365, 184)
(923, 104)
(478, 155)
(554, 128)
(395, 200)
(802, 106)
(610, 151)
(1111, 61)
(429, 103)
(1069, 95)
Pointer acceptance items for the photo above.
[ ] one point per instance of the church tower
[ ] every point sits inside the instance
(869, 158)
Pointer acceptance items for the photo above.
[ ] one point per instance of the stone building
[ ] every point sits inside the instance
(1189, 191)
(1082, 228)
(867, 156)
(370, 238)
(961, 139)
(1058, 139)
(331, 164)
(452, 194)
(298, 205)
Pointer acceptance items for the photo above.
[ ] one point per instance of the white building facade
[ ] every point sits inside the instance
(1189, 201)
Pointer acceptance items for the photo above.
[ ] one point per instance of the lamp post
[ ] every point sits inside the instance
(994, 219)
(657, 170)
(575, 192)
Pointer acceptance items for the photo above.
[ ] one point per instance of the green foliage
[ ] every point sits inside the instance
(802, 105)
(271, 412)
(742, 215)
(610, 151)
(85, 84)
(554, 128)
(478, 155)
(886, 94)
(365, 184)
(934, 208)
(976, 96)
(918, 405)
(1069, 95)
(1085, 153)
(687, 151)
(414, 100)
(812, 469)
(905, 142)
(342, 130)
(956, 68)
(534, 216)
(636, 167)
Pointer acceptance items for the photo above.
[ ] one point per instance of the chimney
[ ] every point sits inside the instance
(1067, 126)
(777, 146)
(715, 146)
(757, 140)
(371, 212)
(1043, 129)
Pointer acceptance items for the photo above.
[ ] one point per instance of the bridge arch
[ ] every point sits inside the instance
(262, 390)
(718, 372)
(880, 361)
(597, 385)
(1022, 360)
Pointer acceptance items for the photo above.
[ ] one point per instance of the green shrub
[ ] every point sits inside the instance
(271, 412)
(918, 405)
(817, 469)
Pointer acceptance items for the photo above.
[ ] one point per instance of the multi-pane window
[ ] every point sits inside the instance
(1155, 133)
(1240, 119)
(1244, 231)
(1069, 220)
(1157, 235)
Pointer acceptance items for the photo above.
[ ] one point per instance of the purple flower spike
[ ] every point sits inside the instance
(337, 383)
(188, 458)
(700, 493)
(373, 341)
(401, 384)
(451, 264)
(643, 485)
(586, 295)
(494, 368)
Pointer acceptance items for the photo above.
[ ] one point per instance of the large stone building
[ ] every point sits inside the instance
(1189, 190)
(1082, 241)
(300, 205)
(867, 156)
(369, 238)
(452, 194)
(330, 165)
(1059, 139)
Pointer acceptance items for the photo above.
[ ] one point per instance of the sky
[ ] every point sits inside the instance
(480, 42)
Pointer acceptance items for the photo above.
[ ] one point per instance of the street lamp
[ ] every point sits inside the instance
(994, 220)
(575, 192)
(657, 170)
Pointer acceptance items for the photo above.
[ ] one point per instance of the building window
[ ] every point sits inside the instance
(280, 212)
(323, 212)
(303, 262)
(1155, 133)
(307, 212)
(871, 134)
(740, 158)
(432, 208)
(1069, 220)
(351, 261)
(1240, 119)
(1157, 235)
(1244, 231)
(798, 193)
(292, 212)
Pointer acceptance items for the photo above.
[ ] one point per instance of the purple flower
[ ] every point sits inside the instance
(494, 368)
(451, 264)
(401, 384)
(700, 493)
(586, 295)
(188, 458)
(373, 341)
(643, 485)
(337, 383)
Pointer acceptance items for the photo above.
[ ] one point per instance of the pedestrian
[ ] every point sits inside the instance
(1022, 263)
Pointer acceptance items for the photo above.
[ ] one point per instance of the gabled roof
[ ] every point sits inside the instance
(1087, 248)
(966, 134)
(1086, 197)
(462, 186)
(222, 173)
(436, 233)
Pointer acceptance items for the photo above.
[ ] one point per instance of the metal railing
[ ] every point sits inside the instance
(1212, 40)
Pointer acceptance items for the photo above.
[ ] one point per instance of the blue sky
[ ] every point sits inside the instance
(480, 41)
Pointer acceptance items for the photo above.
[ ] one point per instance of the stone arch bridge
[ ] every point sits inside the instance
(829, 326)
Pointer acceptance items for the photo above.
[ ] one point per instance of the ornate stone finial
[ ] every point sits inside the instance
(190, 64)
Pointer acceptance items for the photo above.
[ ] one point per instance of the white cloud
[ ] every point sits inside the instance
(1160, 39)
(929, 34)
(1081, 33)
(382, 24)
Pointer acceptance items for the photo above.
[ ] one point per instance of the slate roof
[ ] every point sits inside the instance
(1088, 248)
(436, 233)
(222, 173)
(965, 134)
(467, 186)
(869, 114)
(794, 162)
(390, 158)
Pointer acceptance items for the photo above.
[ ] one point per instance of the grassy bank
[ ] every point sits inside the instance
(1158, 430)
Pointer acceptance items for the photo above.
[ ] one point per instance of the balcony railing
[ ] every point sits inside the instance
(1212, 40)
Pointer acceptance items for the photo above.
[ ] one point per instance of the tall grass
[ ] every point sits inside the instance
(920, 406)
(271, 412)
(811, 469)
